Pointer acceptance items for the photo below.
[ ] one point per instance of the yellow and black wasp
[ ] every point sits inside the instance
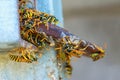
(23, 54)
(20, 58)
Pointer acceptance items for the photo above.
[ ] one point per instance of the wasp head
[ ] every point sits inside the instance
(95, 52)
(91, 50)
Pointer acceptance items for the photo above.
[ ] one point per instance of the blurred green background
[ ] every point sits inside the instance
(97, 21)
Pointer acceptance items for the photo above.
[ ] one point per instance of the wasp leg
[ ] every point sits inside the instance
(76, 53)
(68, 70)
(23, 54)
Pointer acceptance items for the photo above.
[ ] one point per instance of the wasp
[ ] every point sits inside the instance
(91, 50)
(64, 57)
(68, 70)
(23, 54)
(40, 40)
(18, 58)
(48, 19)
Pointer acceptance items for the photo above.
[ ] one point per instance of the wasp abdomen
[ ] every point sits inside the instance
(18, 58)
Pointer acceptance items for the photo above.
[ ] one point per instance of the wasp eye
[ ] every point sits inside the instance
(94, 54)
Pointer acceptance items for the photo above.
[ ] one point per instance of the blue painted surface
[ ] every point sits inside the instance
(9, 29)
(57, 4)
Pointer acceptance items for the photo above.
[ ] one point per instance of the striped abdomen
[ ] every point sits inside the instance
(18, 58)
(22, 54)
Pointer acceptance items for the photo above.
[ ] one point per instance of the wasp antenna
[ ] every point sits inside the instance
(105, 46)
(34, 4)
